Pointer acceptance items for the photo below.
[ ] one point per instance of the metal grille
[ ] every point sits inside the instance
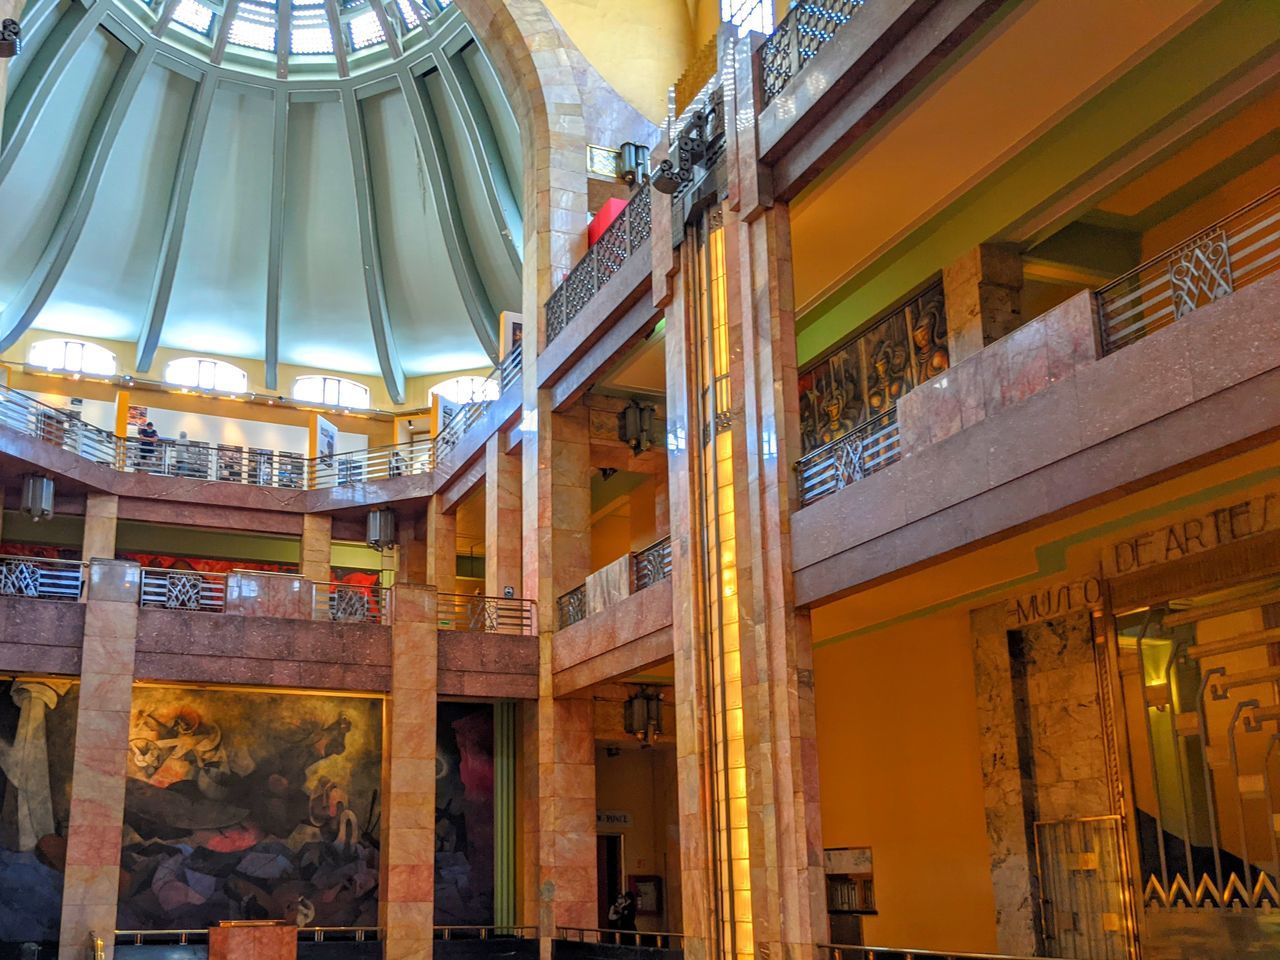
(40, 578)
(478, 614)
(184, 590)
(572, 607)
(853, 457)
(1083, 893)
(806, 29)
(652, 564)
(1232, 253)
(351, 603)
(603, 260)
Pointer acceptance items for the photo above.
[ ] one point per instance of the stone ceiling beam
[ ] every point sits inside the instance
(275, 241)
(339, 40)
(371, 258)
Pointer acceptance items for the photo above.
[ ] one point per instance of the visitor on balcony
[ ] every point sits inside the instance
(148, 434)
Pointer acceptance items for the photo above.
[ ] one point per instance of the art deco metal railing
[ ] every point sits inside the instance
(351, 603)
(572, 607)
(41, 579)
(832, 467)
(604, 259)
(651, 565)
(838, 952)
(184, 590)
(802, 33)
(479, 614)
(1236, 251)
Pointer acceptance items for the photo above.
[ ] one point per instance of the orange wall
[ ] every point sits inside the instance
(900, 766)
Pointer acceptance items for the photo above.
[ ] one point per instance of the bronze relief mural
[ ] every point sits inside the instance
(863, 377)
(245, 805)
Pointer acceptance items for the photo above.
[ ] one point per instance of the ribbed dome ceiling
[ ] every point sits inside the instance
(354, 209)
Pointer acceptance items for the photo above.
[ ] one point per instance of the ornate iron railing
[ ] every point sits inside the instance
(802, 33)
(651, 565)
(41, 578)
(500, 932)
(832, 467)
(1238, 250)
(351, 603)
(605, 258)
(480, 614)
(184, 590)
(838, 952)
(572, 606)
(657, 939)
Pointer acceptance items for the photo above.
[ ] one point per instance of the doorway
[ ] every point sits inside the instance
(608, 875)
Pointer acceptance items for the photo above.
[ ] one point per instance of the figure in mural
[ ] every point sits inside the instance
(464, 815)
(932, 357)
(37, 737)
(245, 806)
(888, 367)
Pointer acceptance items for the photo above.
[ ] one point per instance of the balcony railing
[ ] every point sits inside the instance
(802, 33)
(509, 369)
(352, 603)
(605, 258)
(657, 940)
(376, 463)
(512, 932)
(35, 419)
(572, 606)
(184, 590)
(1236, 251)
(41, 578)
(852, 457)
(651, 565)
(201, 935)
(835, 952)
(478, 614)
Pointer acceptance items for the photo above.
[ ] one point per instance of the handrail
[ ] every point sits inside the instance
(481, 614)
(571, 607)
(845, 952)
(804, 31)
(42, 578)
(604, 258)
(859, 453)
(199, 935)
(651, 565)
(657, 939)
(493, 932)
(1230, 253)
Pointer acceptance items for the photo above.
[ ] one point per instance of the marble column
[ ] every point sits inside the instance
(411, 543)
(101, 512)
(409, 779)
(316, 549)
(983, 292)
(442, 548)
(503, 549)
(92, 874)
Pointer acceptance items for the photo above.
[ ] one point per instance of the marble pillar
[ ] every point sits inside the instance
(409, 779)
(442, 548)
(983, 292)
(503, 550)
(411, 545)
(316, 549)
(92, 873)
(101, 512)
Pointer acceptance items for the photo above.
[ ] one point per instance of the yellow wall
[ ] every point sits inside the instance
(901, 773)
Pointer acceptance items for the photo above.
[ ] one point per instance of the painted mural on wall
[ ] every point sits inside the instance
(37, 740)
(865, 376)
(464, 814)
(246, 805)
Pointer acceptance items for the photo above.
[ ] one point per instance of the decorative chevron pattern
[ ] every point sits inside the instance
(1233, 895)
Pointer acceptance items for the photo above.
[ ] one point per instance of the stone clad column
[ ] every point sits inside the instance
(101, 513)
(983, 293)
(442, 548)
(316, 549)
(409, 778)
(92, 875)
(411, 541)
(503, 547)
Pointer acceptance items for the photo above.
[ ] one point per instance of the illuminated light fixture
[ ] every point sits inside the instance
(633, 163)
(380, 529)
(642, 716)
(37, 497)
(635, 425)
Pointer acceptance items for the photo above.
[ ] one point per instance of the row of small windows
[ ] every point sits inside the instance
(76, 356)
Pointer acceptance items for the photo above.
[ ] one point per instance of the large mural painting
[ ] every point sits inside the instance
(37, 741)
(464, 814)
(245, 805)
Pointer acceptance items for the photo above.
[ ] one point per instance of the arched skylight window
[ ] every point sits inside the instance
(334, 391)
(462, 390)
(206, 374)
(747, 15)
(73, 356)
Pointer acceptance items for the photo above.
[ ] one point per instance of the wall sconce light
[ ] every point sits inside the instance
(633, 163)
(37, 497)
(380, 529)
(642, 716)
(635, 425)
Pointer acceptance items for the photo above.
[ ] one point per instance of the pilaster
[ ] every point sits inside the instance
(983, 293)
(101, 514)
(442, 548)
(92, 875)
(411, 541)
(316, 550)
(409, 778)
(503, 549)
